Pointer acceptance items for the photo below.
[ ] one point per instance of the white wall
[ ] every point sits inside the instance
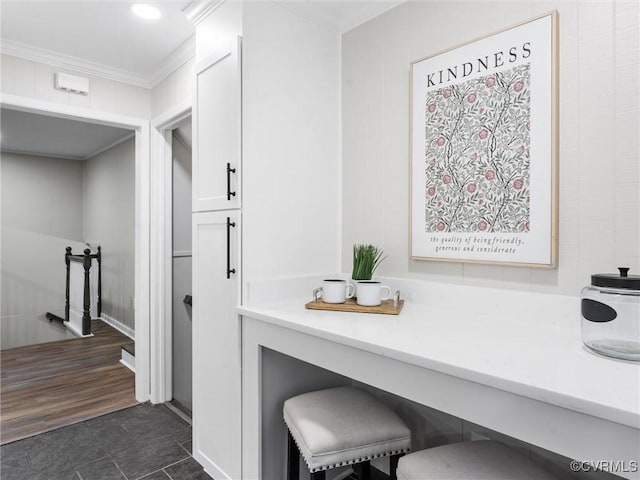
(42, 195)
(174, 90)
(599, 124)
(109, 221)
(41, 216)
(31, 79)
(219, 29)
(291, 204)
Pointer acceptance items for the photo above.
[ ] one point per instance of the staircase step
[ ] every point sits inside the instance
(128, 356)
(130, 348)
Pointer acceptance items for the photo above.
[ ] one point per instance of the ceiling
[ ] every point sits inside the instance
(98, 37)
(33, 134)
(103, 37)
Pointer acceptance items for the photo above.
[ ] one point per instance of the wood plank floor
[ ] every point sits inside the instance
(54, 384)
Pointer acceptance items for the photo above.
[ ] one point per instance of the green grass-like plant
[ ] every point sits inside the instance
(366, 258)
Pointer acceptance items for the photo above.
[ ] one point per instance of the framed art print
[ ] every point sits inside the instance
(483, 148)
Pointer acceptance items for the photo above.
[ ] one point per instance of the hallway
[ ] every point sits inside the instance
(55, 384)
(146, 441)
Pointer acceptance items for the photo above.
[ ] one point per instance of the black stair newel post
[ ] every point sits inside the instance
(66, 298)
(99, 257)
(86, 315)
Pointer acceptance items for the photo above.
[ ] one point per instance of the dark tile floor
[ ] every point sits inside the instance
(147, 442)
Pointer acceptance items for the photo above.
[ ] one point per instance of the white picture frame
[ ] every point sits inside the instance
(484, 149)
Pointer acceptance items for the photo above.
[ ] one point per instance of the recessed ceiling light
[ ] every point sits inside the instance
(146, 11)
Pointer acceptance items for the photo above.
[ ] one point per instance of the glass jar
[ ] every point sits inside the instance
(611, 315)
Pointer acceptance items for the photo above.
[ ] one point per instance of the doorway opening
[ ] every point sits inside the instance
(181, 268)
(68, 199)
(58, 184)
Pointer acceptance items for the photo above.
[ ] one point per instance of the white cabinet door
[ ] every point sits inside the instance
(217, 130)
(216, 343)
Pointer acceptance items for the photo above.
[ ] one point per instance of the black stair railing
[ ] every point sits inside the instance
(86, 258)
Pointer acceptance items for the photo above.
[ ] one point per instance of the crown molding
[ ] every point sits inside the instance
(41, 155)
(181, 55)
(175, 60)
(77, 158)
(59, 60)
(198, 10)
(110, 146)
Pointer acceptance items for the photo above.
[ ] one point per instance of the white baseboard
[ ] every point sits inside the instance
(178, 412)
(121, 327)
(128, 361)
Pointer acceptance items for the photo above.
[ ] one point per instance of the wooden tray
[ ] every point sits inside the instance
(350, 305)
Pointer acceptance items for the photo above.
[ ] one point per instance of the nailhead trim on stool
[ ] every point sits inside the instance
(481, 460)
(343, 426)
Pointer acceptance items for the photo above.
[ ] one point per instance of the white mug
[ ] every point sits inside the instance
(336, 290)
(370, 293)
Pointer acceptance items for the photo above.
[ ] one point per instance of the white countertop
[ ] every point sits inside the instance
(543, 361)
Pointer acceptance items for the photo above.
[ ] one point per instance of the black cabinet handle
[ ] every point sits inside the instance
(229, 269)
(229, 172)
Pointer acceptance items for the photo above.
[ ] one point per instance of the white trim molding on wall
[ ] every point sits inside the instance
(175, 60)
(72, 157)
(118, 325)
(198, 11)
(162, 257)
(144, 246)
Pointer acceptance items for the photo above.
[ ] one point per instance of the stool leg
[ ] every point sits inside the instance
(318, 475)
(293, 459)
(363, 469)
(393, 465)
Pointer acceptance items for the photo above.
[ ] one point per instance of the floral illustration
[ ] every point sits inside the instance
(477, 154)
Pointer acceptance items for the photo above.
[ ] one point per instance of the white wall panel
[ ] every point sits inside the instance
(627, 126)
(35, 80)
(23, 77)
(480, 18)
(43, 77)
(174, 90)
(42, 195)
(290, 144)
(599, 122)
(363, 118)
(395, 113)
(41, 216)
(516, 12)
(103, 93)
(443, 27)
(109, 221)
(596, 114)
(216, 31)
(7, 73)
(133, 101)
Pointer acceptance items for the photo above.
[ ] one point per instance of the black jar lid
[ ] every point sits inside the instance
(622, 280)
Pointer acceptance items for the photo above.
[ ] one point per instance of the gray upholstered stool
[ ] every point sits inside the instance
(485, 459)
(342, 426)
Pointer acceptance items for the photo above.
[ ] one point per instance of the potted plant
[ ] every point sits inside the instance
(366, 258)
